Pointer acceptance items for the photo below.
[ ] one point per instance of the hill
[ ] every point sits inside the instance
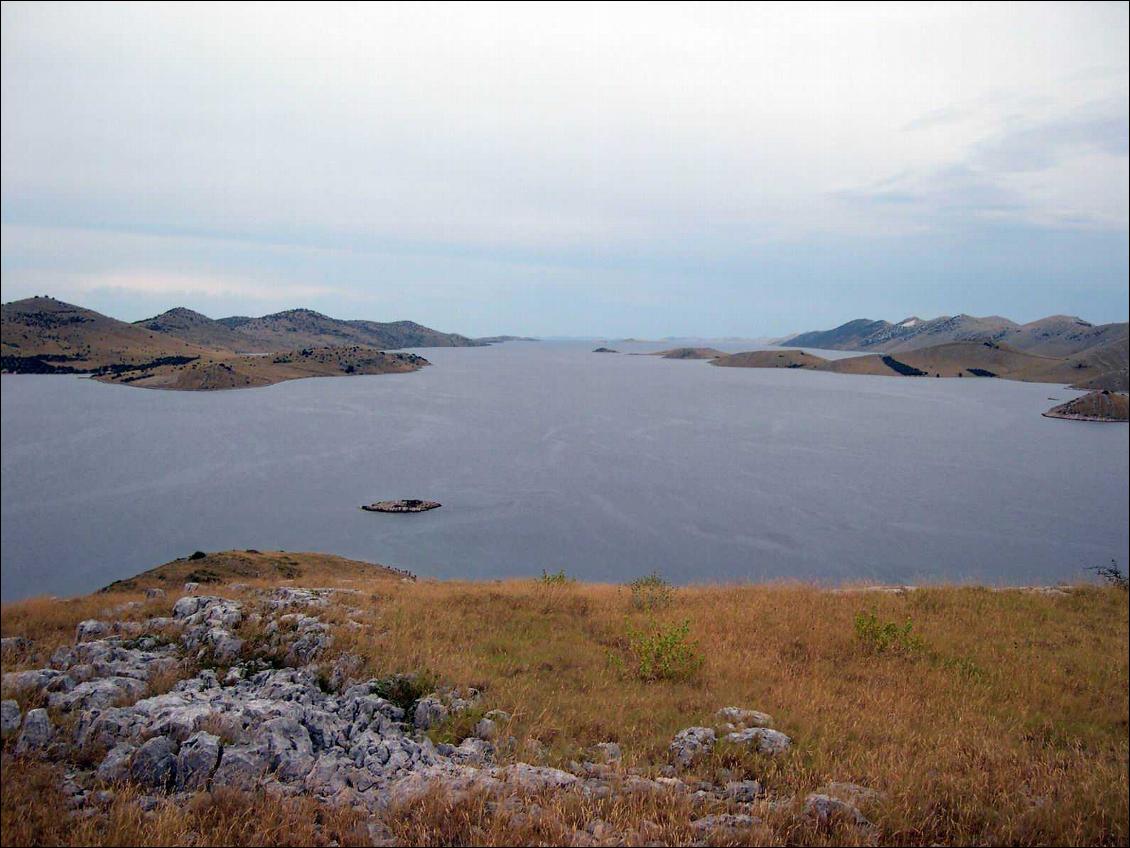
(1093, 369)
(41, 335)
(190, 326)
(246, 372)
(771, 359)
(689, 353)
(182, 349)
(1057, 335)
(294, 328)
(1096, 406)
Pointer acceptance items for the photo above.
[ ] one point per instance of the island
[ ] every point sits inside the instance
(1096, 406)
(689, 353)
(405, 505)
(184, 350)
(605, 350)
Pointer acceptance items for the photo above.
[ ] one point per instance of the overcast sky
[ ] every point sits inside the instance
(730, 170)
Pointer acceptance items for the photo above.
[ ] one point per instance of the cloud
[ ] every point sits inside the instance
(474, 152)
(157, 282)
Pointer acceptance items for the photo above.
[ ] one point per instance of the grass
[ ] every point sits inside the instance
(1006, 724)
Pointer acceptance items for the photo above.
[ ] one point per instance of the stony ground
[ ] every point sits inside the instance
(192, 691)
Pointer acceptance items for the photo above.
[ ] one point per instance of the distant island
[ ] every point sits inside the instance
(185, 350)
(957, 359)
(604, 350)
(689, 353)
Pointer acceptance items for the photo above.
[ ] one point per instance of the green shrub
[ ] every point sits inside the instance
(664, 653)
(651, 592)
(880, 636)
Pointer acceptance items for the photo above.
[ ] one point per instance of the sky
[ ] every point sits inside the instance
(625, 170)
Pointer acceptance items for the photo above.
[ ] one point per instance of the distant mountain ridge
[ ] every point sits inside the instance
(300, 328)
(1056, 335)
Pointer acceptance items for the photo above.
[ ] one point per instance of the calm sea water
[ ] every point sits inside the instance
(545, 455)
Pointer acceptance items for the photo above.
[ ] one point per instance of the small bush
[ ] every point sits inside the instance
(651, 592)
(664, 653)
(1112, 575)
(880, 636)
(554, 578)
(198, 555)
(405, 690)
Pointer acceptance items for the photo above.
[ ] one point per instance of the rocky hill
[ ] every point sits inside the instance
(1057, 335)
(1096, 406)
(246, 372)
(182, 349)
(198, 329)
(689, 353)
(1103, 368)
(305, 328)
(41, 335)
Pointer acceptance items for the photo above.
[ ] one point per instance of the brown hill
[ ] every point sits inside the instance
(1056, 335)
(959, 359)
(43, 335)
(1096, 406)
(689, 353)
(306, 328)
(246, 566)
(244, 372)
(1103, 366)
(771, 359)
(190, 326)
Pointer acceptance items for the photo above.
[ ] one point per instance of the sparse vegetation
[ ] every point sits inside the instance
(880, 636)
(651, 592)
(1112, 575)
(661, 652)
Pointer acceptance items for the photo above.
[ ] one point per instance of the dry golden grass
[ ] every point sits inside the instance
(1009, 725)
(32, 804)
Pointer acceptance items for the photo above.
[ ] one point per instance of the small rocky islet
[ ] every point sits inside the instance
(402, 505)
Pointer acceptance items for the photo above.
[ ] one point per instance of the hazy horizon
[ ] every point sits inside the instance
(649, 171)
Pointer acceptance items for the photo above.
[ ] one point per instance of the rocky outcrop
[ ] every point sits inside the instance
(405, 505)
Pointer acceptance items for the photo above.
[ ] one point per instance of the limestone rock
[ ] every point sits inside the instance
(154, 763)
(196, 760)
(115, 767)
(691, 745)
(761, 739)
(822, 809)
(92, 628)
(36, 733)
(9, 718)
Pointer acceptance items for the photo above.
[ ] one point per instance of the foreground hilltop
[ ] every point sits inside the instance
(309, 699)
